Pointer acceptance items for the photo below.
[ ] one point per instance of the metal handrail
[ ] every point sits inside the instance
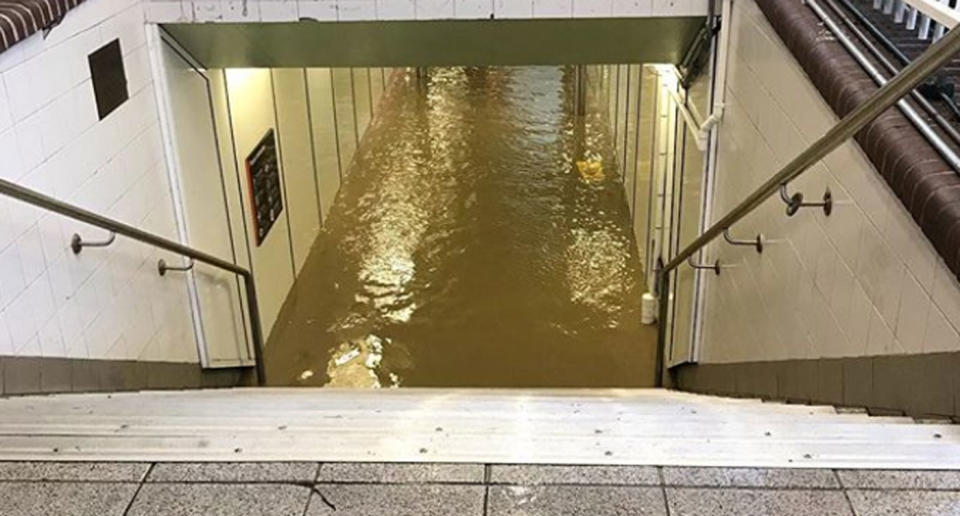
(886, 96)
(49, 203)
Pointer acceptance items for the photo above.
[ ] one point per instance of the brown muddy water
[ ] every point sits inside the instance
(468, 247)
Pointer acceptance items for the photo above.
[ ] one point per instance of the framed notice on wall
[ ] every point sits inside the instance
(263, 179)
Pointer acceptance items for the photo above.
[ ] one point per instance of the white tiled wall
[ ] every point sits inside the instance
(105, 303)
(185, 11)
(864, 281)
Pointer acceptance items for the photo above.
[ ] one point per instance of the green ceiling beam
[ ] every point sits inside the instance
(438, 43)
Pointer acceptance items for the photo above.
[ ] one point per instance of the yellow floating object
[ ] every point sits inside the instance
(591, 171)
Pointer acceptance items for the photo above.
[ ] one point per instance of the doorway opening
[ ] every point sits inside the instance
(481, 225)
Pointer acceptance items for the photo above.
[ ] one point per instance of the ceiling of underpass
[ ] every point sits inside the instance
(438, 43)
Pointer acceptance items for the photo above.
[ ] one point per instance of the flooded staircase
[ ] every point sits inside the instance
(546, 426)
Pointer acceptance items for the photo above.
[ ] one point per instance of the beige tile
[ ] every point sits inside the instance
(946, 293)
(939, 335)
(913, 315)
(880, 340)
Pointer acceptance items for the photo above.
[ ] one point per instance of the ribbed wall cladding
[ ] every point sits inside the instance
(924, 182)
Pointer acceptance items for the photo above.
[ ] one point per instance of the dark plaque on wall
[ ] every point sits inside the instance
(263, 174)
(108, 78)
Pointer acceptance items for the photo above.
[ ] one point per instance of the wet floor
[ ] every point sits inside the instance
(481, 238)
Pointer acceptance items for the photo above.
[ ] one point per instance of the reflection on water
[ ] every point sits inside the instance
(481, 238)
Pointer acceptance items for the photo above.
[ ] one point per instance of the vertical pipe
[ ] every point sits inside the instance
(718, 91)
(616, 108)
(581, 90)
(253, 307)
(283, 179)
(313, 144)
(626, 126)
(353, 102)
(651, 192)
(370, 94)
(663, 289)
(636, 145)
(336, 127)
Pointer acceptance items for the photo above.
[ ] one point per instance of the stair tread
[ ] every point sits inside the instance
(596, 426)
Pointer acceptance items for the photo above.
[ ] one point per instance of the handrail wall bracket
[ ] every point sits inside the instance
(77, 243)
(795, 202)
(163, 267)
(756, 243)
(715, 266)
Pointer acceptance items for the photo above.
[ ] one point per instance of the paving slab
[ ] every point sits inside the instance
(759, 502)
(550, 500)
(77, 471)
(397, 500)
(162, 499)
(899, 479)
(749, 477)
(397, 473)
(234, 472)
(73, 498)
(904, 503)
(595, 475)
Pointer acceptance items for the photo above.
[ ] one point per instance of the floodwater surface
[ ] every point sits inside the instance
(480, 238)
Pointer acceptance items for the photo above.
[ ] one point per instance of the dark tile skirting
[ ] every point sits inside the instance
(36, 375)
(924, 385)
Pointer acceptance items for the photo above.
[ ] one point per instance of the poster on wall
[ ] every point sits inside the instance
(263, 178)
